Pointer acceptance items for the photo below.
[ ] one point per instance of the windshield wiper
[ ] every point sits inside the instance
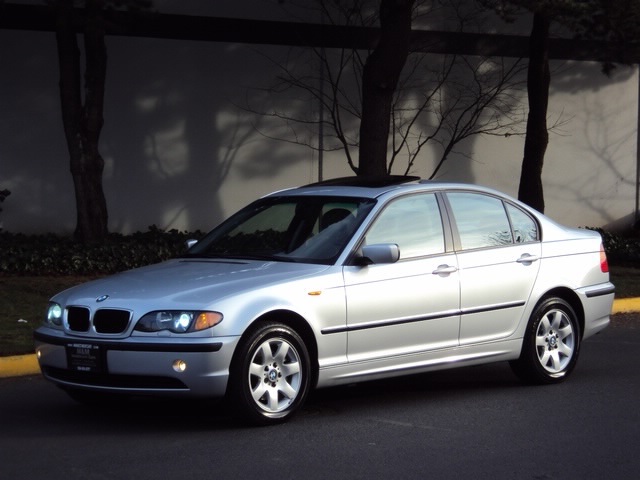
(239, 256)
(266, 258)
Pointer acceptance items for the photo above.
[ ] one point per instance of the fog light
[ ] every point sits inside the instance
(179, 366)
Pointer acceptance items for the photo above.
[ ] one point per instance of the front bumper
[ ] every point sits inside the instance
(137, 365)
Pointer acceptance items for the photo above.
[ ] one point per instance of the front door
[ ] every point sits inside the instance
(410, 306)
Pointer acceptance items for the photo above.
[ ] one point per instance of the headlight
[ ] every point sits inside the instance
(178, 321)
(54, 315)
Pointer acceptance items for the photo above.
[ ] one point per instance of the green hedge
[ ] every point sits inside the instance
(58, 255)
(621, 248)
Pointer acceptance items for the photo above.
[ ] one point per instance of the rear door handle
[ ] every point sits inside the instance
(443, 270)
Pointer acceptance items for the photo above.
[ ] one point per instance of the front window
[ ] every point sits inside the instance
(413, 223)
(311, 229)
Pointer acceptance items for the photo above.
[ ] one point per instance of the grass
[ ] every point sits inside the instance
(23, 300)
(626, 280)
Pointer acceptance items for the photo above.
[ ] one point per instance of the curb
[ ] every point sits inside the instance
(626, 305)
(28, 364)
(18, 365)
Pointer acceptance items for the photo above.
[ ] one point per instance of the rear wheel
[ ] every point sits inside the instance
(270, 375)
(551, 344)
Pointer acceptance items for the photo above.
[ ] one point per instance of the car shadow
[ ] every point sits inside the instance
(352, 399)
(163, 415)
(430, 388)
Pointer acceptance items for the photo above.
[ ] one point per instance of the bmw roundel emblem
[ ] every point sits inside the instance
(102, 298)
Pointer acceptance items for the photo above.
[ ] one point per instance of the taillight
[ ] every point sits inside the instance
(604, 264)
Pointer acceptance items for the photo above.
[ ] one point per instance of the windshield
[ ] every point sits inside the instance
(313, 229)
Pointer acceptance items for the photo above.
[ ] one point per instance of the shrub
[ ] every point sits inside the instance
(621, 248)
(60, 255)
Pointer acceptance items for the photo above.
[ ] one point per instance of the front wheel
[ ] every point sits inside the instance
(270, 375)
(551, 344)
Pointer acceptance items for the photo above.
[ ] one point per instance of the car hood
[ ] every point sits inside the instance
(194, 282)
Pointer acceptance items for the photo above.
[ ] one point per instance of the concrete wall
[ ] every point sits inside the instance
(181, 154)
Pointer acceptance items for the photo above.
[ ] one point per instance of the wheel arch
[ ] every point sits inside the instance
(571, 298)
(296, 322)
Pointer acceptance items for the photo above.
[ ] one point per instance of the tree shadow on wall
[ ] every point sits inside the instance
(173, 135)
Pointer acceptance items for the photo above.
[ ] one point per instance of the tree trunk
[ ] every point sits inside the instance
(83, 123)
(537, 137)
(379, 80)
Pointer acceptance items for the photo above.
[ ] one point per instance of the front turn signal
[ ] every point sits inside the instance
(207, 320)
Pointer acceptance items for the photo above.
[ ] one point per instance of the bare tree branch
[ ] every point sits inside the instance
(440, 100)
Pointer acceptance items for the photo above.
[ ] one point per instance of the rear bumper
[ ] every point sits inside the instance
(597, 301)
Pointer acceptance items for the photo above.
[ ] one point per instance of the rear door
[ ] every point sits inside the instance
(498, 252)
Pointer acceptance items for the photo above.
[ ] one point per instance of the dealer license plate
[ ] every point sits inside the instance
(85, 357)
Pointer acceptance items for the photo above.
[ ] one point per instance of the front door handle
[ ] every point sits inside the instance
(527, 259)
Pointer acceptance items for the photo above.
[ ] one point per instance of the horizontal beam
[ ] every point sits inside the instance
(235, 30)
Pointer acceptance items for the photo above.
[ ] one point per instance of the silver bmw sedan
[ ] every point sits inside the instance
(336, 282)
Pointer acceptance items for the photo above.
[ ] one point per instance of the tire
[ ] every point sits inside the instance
(270, 375)
(551, 344)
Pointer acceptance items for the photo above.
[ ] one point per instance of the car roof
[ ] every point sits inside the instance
(374, 187)
(367, 181)
(390, 186)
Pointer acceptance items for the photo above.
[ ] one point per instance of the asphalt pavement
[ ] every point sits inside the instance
(477, 423)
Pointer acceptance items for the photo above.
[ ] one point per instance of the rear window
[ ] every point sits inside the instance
(484, 221)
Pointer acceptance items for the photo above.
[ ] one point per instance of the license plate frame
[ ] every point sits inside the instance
(86, 357)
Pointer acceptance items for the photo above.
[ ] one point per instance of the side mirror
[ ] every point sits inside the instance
(379, 253)
(190, 243)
